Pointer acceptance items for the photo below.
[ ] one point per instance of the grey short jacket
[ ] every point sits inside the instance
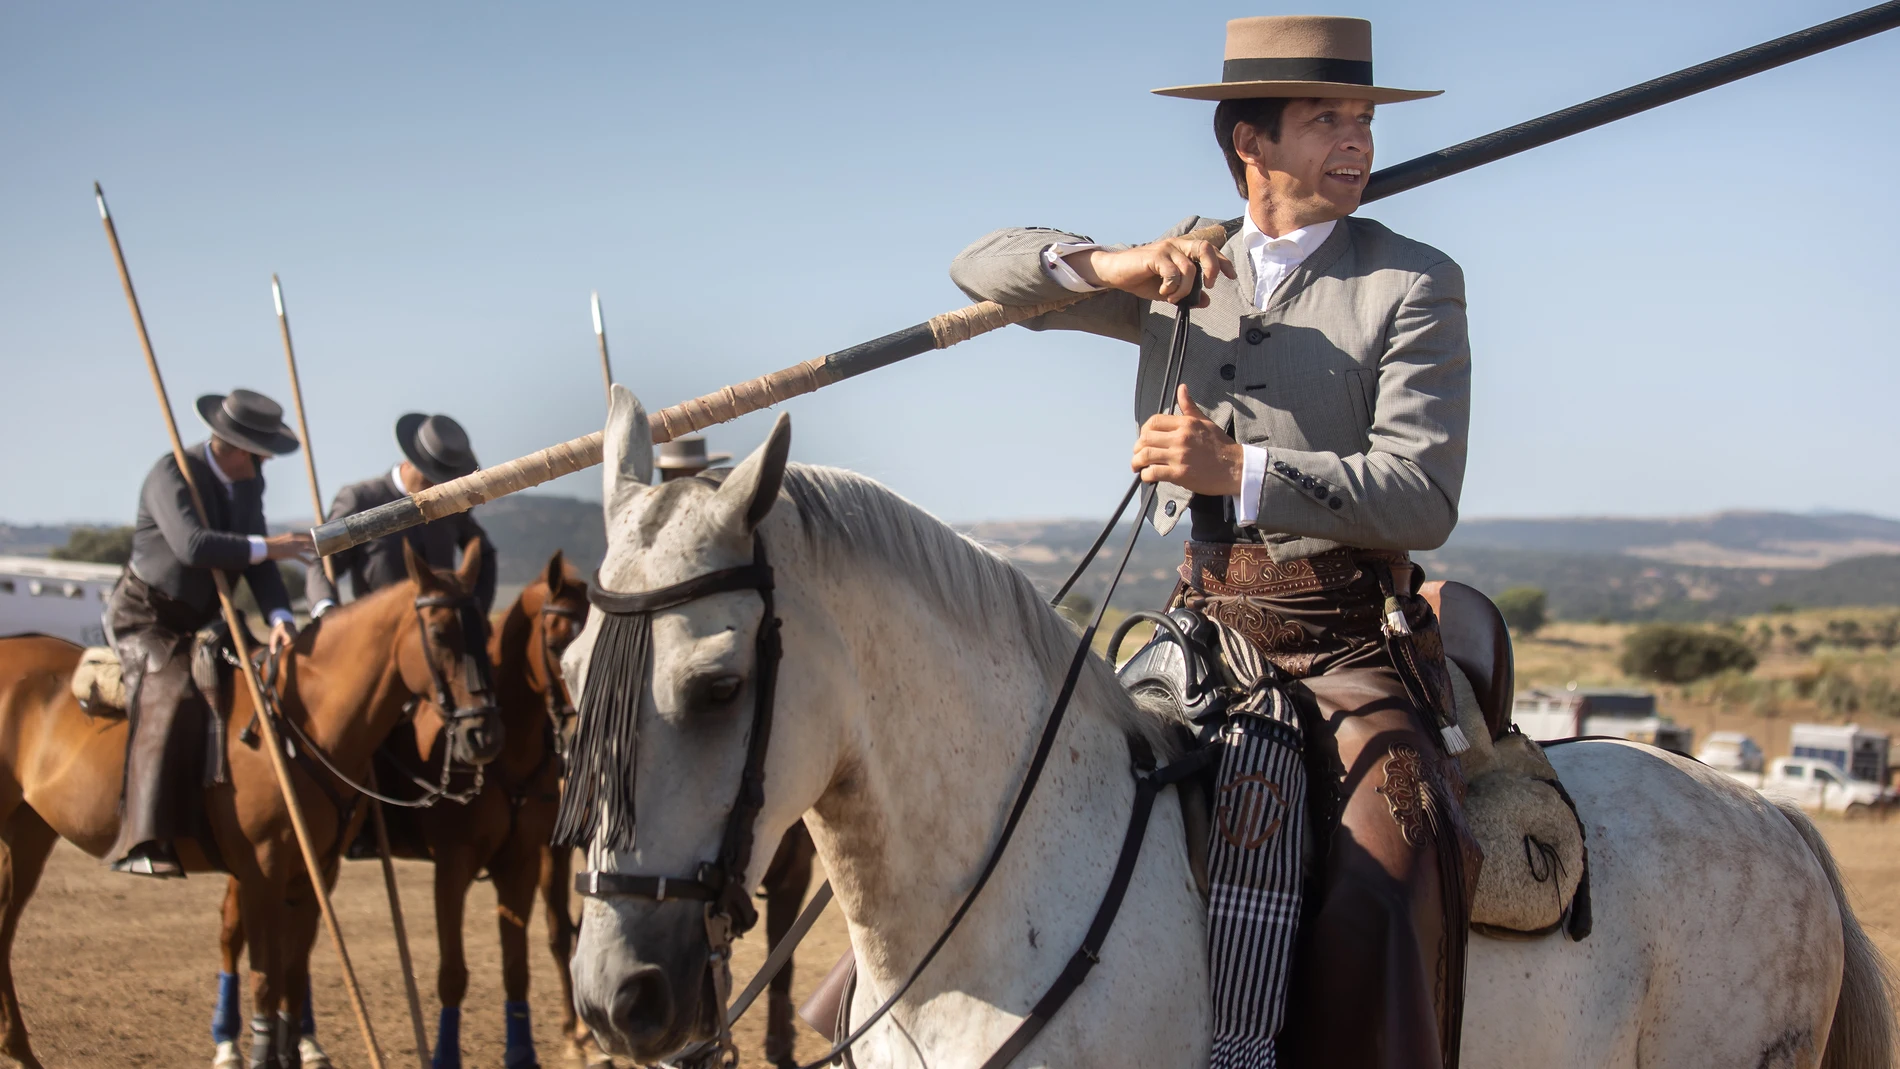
(1356, 378)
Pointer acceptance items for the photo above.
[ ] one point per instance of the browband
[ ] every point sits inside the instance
(754, 576)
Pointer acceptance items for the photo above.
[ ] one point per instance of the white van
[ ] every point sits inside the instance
(63, 598)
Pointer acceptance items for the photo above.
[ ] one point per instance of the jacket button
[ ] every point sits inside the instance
(1335, 503)
(1255, 335)
(1168, 508)
(1227, 372)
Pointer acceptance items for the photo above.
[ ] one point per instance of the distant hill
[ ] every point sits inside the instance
(1692, 568)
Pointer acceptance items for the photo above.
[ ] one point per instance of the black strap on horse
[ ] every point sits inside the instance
(304, 750)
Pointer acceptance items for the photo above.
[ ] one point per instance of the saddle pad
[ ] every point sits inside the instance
(97, 682)
(1534, 853)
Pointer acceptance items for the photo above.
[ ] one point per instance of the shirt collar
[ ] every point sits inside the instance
(1291, 248)
(395, 476)
(215, 470)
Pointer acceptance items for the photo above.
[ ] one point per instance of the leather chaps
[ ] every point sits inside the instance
(166, 734)
(1378, 975)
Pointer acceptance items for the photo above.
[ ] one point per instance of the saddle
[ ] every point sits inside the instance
(98, 684)
(1534, 879)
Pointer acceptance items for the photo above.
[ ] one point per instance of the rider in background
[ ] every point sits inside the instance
(1320, 434)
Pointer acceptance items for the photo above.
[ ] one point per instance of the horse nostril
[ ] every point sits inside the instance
(643, 1006)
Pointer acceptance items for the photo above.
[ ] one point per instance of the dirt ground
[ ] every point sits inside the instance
(119, 971)
(122, 971)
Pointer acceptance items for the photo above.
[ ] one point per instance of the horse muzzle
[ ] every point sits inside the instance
(641, 978)
(476, 736)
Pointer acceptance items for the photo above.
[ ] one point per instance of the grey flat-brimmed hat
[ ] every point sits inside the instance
(249, 420)
(436, 445)
(688, 451)
(1297, 56)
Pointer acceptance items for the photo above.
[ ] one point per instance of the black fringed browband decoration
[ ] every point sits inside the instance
(598, 802)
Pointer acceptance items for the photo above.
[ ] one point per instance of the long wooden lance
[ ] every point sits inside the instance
(600, 335)
(375, 807)
(950, 328)
(240, 638)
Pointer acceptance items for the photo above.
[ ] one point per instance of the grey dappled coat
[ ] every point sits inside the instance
(1356, 378)
(378, 564)
(173, 550)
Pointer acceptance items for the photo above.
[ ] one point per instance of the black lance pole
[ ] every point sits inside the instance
(948, 329)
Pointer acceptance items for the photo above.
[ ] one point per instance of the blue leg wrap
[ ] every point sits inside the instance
(448, 1039)
(309, 1015)
(520, 1050)
(225, 1020)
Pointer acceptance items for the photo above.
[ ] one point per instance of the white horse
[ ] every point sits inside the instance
(917, 671)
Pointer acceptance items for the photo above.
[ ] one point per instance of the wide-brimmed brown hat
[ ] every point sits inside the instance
(688, 453)
(1297, 56)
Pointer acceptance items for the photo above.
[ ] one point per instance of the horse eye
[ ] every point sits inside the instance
(724, 689)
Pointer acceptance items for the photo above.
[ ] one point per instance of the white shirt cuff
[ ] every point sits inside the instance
(1253, 471)
(258, 549)
(321, 607)
(285, 617)
(1058, 269)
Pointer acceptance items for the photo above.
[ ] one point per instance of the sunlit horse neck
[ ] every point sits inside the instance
(917, 670)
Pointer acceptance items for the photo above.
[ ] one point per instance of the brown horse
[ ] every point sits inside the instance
(344, 684)
(504, 827)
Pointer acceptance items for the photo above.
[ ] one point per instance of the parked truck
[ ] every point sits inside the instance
(1547, 715)
(1813, 783)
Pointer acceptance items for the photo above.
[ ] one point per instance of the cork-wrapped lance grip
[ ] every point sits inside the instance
(724, 406)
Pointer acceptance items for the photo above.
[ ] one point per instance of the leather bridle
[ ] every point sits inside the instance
(561, 711)
(721, 882)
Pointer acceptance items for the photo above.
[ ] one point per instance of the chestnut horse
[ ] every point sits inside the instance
(344, 684)
(502, 828)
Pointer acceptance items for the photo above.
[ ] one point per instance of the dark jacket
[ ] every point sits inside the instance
(173, 550)
(377, 564)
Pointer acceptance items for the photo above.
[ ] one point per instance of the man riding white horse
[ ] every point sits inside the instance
(1320, 435)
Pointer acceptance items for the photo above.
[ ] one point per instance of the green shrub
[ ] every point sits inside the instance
(1674, 654)
(101, 545)
(1523, 609)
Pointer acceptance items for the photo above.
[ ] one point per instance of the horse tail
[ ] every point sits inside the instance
(1862, 1035)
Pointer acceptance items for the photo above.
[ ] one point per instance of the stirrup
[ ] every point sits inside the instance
(151, 858)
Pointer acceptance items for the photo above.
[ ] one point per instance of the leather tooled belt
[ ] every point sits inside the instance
(1244, 570)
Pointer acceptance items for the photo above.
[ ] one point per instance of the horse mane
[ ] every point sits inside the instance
(854, 520)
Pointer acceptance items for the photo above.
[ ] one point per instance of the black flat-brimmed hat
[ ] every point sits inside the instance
(688, 452)
(436, 445)
(249, 420)
(1297, 56)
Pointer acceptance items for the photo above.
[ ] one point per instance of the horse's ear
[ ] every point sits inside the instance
(626, 455)
(749, 492)
(471, 569)
(556, 575)
(419, 572)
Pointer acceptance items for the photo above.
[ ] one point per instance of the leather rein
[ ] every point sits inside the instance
(297, 742)
(729, 913)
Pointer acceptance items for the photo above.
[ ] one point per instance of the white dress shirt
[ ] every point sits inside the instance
(259, 550)
(1273, 259)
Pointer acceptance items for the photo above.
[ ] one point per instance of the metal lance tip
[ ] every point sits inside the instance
(99, 195)
(277, 295)
(597, 327)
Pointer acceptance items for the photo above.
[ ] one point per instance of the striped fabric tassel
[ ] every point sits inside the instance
(1254, 868)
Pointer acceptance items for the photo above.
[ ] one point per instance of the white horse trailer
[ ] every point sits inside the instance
(1858, 751)
(63, 598)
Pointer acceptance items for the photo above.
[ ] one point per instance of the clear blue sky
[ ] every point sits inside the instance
(1686, 311)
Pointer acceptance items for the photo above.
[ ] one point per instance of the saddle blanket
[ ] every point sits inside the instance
(98, 683)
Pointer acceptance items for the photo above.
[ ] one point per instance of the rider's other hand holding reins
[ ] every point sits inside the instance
(1158, 271)
(282, 634)
(1188, 450)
